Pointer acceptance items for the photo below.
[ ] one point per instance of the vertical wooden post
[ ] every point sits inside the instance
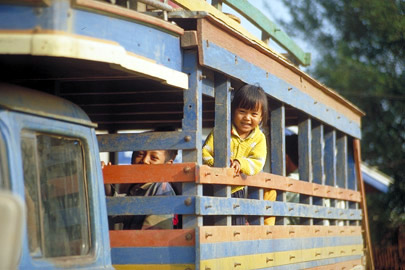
(341, 167)
(330, 163)
(351, 177)
(277, 145)
(222, 135)
(366, 234)
(192, 121)
(318, 167)
(305, 160)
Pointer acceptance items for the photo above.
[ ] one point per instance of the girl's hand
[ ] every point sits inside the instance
(235, 165)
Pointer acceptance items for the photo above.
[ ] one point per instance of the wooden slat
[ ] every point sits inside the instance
(154, 266)
(225, 206)
(211, 175)
(121, 174)
(213, 31)
(152, 238)
(214, 234)
(148, 205)
(357, 158)
(339, 266)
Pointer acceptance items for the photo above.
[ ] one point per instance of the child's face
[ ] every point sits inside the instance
(150, 157)
(246, 120)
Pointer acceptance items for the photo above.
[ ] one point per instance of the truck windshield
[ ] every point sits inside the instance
(55, 195)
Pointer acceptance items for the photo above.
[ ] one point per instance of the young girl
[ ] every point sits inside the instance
(248, 144)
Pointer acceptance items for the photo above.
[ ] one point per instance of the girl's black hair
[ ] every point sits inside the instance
(248, 97)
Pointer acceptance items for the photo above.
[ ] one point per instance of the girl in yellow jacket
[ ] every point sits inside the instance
(248, 143)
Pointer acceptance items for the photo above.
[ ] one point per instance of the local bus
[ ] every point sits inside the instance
(81, 78)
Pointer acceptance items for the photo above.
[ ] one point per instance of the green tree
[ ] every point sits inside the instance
(360, 47)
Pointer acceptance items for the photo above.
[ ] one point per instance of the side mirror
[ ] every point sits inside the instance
(12, 213)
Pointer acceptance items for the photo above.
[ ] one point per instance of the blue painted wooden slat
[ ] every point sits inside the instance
(240, 248)
(192, 122)
(222, 60)
(341, 161)
(157, 205)
(147, 141)
(317, 154)
(222, 129)
(330, 157)
(277, 140)
(305, 159)
(226, 206)
(304, 150)
(153, 255)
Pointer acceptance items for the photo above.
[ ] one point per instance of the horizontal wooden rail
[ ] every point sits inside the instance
(123, 174)
(152, 238)
(225, 176)
(213, 234)
(190, 172)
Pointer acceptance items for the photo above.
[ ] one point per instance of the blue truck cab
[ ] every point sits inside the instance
(49, 157)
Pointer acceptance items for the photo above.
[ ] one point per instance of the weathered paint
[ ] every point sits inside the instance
(222, 60)
(225, 176)
(222, 129)
(15, 122)
(121, 174)
(152, 238)
(159, 205)
(193, 121)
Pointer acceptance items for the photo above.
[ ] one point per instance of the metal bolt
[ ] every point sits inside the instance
(187, 201)
(187, 138)
(208, 235)
(236, 206)
(208, 206)
(237, 264)
(269, 232)
(268, 260)
(268, 207)
(202, 77)
(189, 237)
(187, 169)
(236, 233)
(289, 88)
(267, 180)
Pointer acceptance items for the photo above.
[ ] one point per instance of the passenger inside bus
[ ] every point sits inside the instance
(145, 189)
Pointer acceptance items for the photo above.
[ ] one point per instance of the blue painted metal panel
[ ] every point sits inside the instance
(54, 17)
(153, 255)
(99, 258)
(222, 60)
(157, 205)
(162, 47)
(147, 141)
(240, 248)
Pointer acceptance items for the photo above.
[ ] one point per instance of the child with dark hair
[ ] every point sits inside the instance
(249, 110)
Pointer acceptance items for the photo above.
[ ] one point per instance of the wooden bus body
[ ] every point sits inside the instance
(104, 67)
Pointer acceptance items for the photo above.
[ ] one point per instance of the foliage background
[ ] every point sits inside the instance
(360, 47)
